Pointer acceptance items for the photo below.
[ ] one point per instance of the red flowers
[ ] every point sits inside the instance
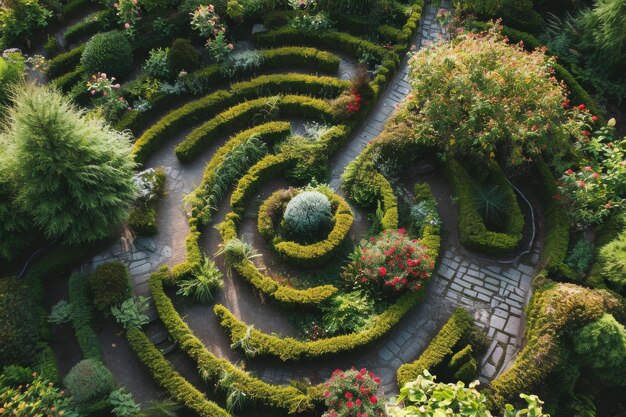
(581, 107)
(373, 399)
(594, 118)
(352, 393)
(382, 271)
(355, 104)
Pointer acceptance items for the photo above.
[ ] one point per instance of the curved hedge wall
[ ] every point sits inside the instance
(205, 107)
(472, 230)
(458, 326)
(244, 114)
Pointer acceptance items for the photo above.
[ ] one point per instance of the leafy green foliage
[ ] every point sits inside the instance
(156, 64)
(123, 403)
(580, 257)
(426, 398)
(182, 56)
(206, 279)
(131, 314)
(19, 326)
(308, 213)
(55, 155)
(612, 257)
(236, 251)
(109, 285)
(11, 73)
(602, 344)
(89, 380)
(61, 312)
(491, 204)
(21, 20)
(108, 52)
(347, 313)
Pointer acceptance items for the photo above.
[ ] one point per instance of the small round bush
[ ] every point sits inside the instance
(612, 257)
(352, 393)
(89, 380)
(307, 213)
(182, 56)
(108, 52)
(110, 285)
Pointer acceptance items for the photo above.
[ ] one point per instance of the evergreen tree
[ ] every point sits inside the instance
(74, 174)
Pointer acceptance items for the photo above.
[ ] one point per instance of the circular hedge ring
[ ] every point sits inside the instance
(314, 254)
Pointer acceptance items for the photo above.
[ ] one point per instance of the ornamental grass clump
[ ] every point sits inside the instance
(392, 262)
(352, 393)
(479, 96)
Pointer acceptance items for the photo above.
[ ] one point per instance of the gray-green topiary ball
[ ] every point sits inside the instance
(108, 52)
(307, 213)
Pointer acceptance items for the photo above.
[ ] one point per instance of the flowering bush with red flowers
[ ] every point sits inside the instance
(598, 187)
(392, 262)
(352, 393)
(354, 105)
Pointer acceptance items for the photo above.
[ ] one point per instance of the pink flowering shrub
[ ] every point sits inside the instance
(393, 262)
(128, 13)
(352, 393)
(206, 21)
(106, 93)
(479, 96)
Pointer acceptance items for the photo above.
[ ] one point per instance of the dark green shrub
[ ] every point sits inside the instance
(612, 258)
(19, 327)
(580, 257)
(347, 313)
(108, 52)
(89, 380)
(182, 56)
(467, 371)
(15, 375)
(82, 317)
(462, 365)
(21, 21)
(65, 62)
(109, 285)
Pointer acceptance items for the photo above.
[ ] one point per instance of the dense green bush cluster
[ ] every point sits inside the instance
(441, 347)
(88, 26)
(211, 104)
(89, 380)
(108, 52)
(109, 285)
(65, 62)
(472, 230)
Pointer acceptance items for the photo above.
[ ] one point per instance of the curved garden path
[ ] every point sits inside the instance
(495, 291)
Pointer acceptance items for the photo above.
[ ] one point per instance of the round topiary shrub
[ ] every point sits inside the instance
(89, 380)
(307, 214)
(108, 52)
(182, 57)
(109, 285)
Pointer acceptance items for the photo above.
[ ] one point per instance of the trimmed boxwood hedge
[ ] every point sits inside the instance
(244, 114)
(269, 133)
(212, 367)
(312, 254)
(343, 42)
(88, 26)
(178, 387)
(65, 62)
(82, 317)
(457, 327)
(472, 230)
(68, 80)
(205, 107)
(309, 59)
(556, 223)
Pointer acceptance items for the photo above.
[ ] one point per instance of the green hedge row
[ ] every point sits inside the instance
(65, 62)
(332, 40)
(457, 327)
(472, 230)
(288, 349)
(247, 113)
(313, 254)
(178, 387)
(212, 367)
(68, 80)
(82, 317)
(204, 108)
(309, 59)
(556, 223)
(269, 133)
(89, 26)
